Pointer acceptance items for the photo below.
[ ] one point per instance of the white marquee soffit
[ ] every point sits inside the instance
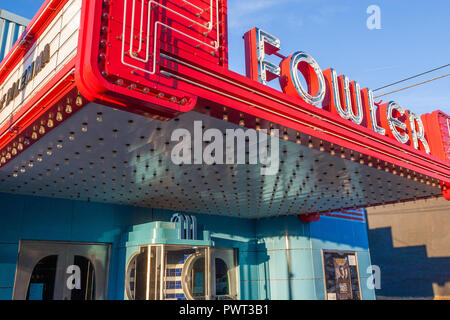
(126, 159)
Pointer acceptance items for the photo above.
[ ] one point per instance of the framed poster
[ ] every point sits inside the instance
(341, 275)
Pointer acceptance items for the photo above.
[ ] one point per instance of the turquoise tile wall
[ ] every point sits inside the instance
(6, 293)
(264, 271)
(304, 278)
(8, 259)
(285, 239)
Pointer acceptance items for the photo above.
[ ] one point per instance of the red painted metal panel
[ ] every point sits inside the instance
(57, 101)
(163, 58)
(39, 104)
(122, 44)
(251, 54)
(438, 128)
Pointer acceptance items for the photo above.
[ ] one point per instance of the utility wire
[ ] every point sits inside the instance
(414, 85)
(418, 75)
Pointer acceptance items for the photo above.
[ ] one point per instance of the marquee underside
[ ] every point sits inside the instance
(126, 159)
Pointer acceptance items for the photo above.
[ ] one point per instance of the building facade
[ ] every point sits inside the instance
(279, 258)
(135, 165)
(11, 28)
(409, 242)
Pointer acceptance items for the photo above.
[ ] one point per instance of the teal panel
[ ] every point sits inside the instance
(301, 264)
(8, 261)
(274, 242)
(94, 222)
(264, 265)
(300, 241)
(117, 273)
(317, 263)
(249, 290)
(363, 262)
(10, 217)
(263, 289)
(280, 290)
(319, 286)
(302, 289)
(271, 227)
(278, 268)
(6, 293)
(46, 219)
(367, 294)
(248, 266)
(273, 232)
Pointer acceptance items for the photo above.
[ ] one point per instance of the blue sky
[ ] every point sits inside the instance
(414, 38)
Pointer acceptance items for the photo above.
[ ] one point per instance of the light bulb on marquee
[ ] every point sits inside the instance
(99, 117)
(59, 116)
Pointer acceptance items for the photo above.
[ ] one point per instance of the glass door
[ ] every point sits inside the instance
(177, 272)
(224, 266)
(50, 270)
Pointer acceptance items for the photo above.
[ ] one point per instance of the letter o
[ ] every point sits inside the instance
(290, 81)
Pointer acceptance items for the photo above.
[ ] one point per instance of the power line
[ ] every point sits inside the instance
(417, 75)
(414, 85)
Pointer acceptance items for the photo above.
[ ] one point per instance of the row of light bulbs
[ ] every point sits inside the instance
(341, 151)
(84, 126)
(39, 130)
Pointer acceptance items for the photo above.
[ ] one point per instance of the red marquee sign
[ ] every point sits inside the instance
(341, 97)
(161, 58)
(126, 47)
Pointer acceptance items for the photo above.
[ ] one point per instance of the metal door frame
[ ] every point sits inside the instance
(32, 251)
(230, 257)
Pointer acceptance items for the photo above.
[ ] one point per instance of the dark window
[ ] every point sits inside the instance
(198, 279)
(42, 282)
(87, 283)
(222, 287)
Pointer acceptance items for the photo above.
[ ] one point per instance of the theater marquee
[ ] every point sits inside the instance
(169, 59)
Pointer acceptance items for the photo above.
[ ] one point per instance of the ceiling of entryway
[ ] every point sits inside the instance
(126, 159)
